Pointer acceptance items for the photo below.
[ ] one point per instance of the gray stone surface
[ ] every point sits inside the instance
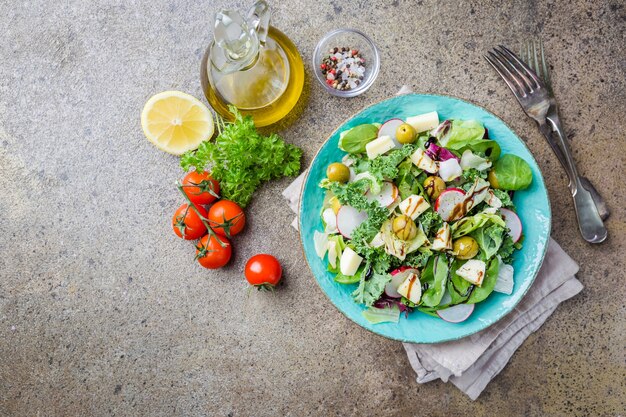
(104, 312)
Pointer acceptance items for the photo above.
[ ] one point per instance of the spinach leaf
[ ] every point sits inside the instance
(355, 139)
(434, 276)
(491, 276)
(459, 288)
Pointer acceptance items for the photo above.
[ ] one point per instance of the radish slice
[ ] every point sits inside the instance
(348, 219)
(447, 200)
(389, 129)
(457, 313)
(398, 277)
(387, 195)
(401, 269)
(513, 222)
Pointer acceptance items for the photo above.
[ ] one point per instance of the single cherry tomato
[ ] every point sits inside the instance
(200, 187)
(263, 271)
(187, 224)
(211, 254)
(226, 218)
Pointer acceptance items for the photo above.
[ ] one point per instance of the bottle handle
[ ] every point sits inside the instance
(259, 18)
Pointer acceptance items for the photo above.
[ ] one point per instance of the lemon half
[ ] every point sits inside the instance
(176, 122)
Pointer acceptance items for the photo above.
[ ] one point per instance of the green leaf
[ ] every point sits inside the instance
(512, 173)
(489, 148)
(468, 224)
(369, 291)
(242, 159)
(344, 279)
(435, 276)
(491, 276)
(382, 315)
(459, 288)
(355, 139)
(504, 197)
(507, 249)
(489, 239)
(462, 134)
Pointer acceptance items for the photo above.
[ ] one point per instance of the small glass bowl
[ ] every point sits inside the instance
(354, 39)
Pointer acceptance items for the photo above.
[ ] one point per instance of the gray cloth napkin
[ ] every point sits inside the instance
(472, 362)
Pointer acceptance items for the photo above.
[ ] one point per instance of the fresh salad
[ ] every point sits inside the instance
(418, 215)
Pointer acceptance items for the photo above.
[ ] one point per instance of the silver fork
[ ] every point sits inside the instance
(532, 94)
(536, 60)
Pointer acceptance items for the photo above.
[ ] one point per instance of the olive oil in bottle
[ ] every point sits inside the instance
(252, 66)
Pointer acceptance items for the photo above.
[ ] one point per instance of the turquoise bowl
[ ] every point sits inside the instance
(532, 205)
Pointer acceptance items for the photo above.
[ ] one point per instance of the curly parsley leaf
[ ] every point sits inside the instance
(242, 159)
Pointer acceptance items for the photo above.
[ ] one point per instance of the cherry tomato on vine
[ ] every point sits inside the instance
(187, 224)
(200, 187)
(263, 271)
(211, 254)
(226, 218)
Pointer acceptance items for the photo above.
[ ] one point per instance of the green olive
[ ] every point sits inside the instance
(465, 247)
(338, 172)
(493, 180)
(434, 186)
(405, 133)
(404, 227)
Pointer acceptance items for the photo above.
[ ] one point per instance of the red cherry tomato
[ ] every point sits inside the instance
(200, 187)
(211, 254)
(226, 218)
(187, 224)
(263, 271)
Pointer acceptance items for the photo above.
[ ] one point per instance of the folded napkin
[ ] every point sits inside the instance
(472, 362)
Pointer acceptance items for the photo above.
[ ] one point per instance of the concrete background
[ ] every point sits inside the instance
(104, 312)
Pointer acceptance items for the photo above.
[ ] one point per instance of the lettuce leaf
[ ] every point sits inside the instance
(463, 133)
(468, 224)
(382, 315)
(434, 278)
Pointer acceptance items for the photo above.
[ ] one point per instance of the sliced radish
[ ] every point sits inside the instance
(389, 129)
(513, 222)
(398, 277)
(348, 219)
(457, 313)
(401, 269)
(447, 201)
(387, 195)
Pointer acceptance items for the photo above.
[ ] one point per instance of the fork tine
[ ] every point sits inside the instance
(526, 82)
(522, 68)
(506, 75)
(546, 72)
(535, 62)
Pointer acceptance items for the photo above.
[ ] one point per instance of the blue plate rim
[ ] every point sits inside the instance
(506, 310)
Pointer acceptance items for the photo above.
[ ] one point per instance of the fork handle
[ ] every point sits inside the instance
(589, 222)
(603, 210)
